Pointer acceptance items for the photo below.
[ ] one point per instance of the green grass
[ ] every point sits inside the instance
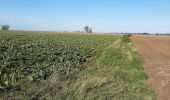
(86, 67)
(117, 75)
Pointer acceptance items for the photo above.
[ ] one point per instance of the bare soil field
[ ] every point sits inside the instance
(155, 52)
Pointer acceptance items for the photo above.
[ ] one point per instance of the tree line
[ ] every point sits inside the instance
(87, 29)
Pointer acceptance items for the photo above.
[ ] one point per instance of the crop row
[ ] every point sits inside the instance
(32, 56)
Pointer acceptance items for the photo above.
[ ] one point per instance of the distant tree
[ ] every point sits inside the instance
(86, 29)
(90, 30)
(5, 27)
(145, 33)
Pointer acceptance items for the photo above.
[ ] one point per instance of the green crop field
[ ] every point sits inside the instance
(75, 66)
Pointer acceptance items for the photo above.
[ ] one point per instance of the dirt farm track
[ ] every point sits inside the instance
(155, 52)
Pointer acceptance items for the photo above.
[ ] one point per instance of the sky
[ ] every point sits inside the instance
(152, 16)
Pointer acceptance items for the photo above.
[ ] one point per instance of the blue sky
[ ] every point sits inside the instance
(102, 15)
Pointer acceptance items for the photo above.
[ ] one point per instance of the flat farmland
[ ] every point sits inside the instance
(70, 66)
(155, 52)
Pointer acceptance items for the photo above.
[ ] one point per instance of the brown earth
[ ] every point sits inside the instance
(155, 52)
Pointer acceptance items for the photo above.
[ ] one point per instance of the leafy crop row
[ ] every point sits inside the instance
(28, 56)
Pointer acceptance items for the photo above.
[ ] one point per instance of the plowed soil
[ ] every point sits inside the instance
(155, 52)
